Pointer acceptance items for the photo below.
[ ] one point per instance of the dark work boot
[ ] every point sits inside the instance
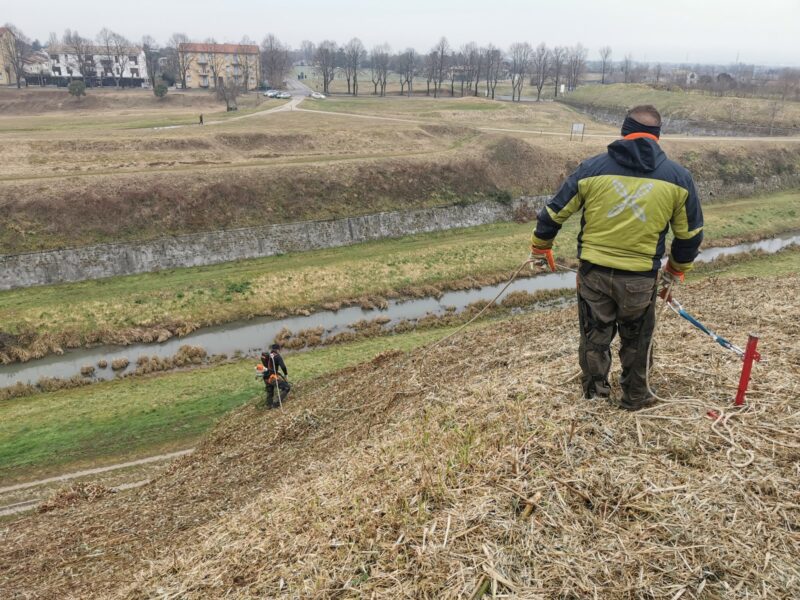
(633, 405)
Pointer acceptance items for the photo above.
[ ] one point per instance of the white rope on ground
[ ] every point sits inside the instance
(721, 416)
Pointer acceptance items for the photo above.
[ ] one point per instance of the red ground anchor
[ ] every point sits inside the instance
(750, 355)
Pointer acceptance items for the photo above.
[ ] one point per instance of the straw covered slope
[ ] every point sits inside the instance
(481, 470)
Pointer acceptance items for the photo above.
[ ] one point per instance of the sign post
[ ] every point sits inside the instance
(577, 129)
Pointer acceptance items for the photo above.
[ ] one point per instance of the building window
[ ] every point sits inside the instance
(134, 60)
(54, 57)
(57, 71)
(134, 72)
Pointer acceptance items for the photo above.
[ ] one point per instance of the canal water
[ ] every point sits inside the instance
(254, 335)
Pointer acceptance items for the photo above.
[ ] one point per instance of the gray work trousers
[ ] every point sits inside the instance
(608, 301)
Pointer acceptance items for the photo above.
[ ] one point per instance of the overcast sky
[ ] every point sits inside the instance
(758, 31)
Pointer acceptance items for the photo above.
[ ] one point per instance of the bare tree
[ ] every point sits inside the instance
(605, 62)
(558, 62)
(627, 68)
(228, 89)
(493, 62)
(657, 70)
(379, 67)
(16, 48)
(520, 53)
(406, 66)
(475, 62)
(121, 48)
(540, 68)
(430, 70)
(183, 60)
(576, 65)
(216, 63)
(325, 61)
(244, 67)
(274, 60)
(354, 54)
(105, 39)
(307, 49)
(440, 55)
(470, 61)
(151, 56)
(80, 48)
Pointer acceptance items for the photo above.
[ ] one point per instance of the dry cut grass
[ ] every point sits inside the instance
(473, 469)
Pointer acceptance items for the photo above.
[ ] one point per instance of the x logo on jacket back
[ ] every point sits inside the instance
(629, 199)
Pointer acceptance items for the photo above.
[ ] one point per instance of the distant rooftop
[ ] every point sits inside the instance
(218, 48)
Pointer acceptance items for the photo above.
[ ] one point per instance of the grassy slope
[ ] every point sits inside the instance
(685, 105)
(132, 417)
(66, 430)
(105, 309)
(379, 484)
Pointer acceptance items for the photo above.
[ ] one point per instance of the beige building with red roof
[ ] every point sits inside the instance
(210, 65)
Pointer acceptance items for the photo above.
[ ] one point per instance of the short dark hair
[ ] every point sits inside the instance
(275, 347)
(645, 109)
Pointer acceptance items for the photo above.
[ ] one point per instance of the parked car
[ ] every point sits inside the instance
(318, 96)
(284, 95)
(271, 93)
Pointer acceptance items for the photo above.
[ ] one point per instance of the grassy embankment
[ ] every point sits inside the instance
(132, 417)
(103, 111)
(127, 309)
(124, 418)
(691, 106)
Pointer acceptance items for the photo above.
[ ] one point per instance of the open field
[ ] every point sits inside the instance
(386, 480)
(72, 179)
(129, 309)
(471, 112)
(54, 111)
(691, 106)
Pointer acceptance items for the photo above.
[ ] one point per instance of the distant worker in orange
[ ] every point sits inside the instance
(273, 378)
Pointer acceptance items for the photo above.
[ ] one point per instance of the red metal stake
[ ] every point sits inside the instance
(750, 354)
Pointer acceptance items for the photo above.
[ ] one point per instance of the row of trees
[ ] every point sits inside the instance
(476, 69)
(468, 70)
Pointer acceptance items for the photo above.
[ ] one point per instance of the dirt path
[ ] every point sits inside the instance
(95, 471)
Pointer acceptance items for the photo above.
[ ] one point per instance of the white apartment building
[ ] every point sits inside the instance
(98, 63)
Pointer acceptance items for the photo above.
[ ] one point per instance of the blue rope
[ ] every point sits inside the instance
(676, 306)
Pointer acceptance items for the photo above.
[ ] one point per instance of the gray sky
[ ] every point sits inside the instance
(758, 31)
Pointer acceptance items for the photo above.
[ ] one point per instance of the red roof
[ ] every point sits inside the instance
(218, 48)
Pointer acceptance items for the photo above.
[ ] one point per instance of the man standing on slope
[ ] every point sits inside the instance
(273, 361)
(630, 197)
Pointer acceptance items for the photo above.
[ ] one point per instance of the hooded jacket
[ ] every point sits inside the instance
(629, 197)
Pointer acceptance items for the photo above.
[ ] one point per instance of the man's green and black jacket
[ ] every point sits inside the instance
(629, 197)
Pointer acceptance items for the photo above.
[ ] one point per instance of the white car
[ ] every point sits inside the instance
(318, 96)
(271, 93)
(284, 95)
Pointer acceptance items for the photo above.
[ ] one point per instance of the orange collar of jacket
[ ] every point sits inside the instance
(640, 134)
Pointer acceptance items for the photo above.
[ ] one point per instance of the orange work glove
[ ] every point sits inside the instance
(670, 277)
(545, 257)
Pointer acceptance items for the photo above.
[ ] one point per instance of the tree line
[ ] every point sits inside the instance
(469, 70)
(466, 70)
